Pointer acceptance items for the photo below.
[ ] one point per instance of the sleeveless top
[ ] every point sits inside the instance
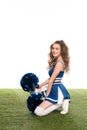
(60, 75)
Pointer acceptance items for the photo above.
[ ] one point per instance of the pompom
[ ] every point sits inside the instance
(33, 101)
(29, 81)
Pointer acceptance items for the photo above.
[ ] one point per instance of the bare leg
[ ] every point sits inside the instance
(45, 104)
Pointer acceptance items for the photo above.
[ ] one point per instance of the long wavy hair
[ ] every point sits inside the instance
(64, 53)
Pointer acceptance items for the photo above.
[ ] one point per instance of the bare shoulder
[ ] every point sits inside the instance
(60, 64)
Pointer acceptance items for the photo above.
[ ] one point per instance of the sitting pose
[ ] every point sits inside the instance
(56, 94)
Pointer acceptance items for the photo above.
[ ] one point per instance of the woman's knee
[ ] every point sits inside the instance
(38, 111)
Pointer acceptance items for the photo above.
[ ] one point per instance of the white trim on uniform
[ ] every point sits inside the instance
(60, 97)
(58, 78)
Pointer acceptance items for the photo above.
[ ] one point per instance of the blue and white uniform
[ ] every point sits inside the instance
(58, 92)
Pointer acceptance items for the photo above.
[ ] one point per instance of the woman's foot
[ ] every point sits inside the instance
(65, 107)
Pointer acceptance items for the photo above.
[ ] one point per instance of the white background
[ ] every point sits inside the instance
(28, 27)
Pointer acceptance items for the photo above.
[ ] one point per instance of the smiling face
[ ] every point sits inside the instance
(56, 50)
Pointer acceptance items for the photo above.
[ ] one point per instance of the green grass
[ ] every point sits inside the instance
(14, 114)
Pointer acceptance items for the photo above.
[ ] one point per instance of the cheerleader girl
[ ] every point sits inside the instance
(56, 94)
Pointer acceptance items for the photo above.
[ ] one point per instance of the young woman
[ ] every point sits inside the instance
(56, 94)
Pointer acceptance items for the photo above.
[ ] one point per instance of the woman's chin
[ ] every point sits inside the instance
(55, 56)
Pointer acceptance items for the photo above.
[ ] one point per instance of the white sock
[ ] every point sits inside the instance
(65, 106)
(50, 109)
(42, 112)
(38, 111)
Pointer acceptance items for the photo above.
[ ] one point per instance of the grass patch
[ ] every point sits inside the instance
(14, 114)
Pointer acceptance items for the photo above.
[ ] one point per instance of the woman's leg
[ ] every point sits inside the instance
(39, 109)
(45, 108)
(65, 106)
(50, 109)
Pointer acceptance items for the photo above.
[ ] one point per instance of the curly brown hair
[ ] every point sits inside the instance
(64, 53)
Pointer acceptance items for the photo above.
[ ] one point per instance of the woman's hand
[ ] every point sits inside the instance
(47, 93)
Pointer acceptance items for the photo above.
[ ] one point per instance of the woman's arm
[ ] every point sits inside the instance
(57, 69)
(44, 83)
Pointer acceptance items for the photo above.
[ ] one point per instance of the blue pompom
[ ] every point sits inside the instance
(29, 81)
(33, 101)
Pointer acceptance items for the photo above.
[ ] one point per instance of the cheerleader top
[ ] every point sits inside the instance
(60, 75)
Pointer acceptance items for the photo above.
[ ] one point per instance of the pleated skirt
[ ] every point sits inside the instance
(58, 93)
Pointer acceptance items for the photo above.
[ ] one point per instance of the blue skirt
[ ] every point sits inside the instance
(58, 94)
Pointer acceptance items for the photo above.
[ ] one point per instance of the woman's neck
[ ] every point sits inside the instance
(59, 58)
